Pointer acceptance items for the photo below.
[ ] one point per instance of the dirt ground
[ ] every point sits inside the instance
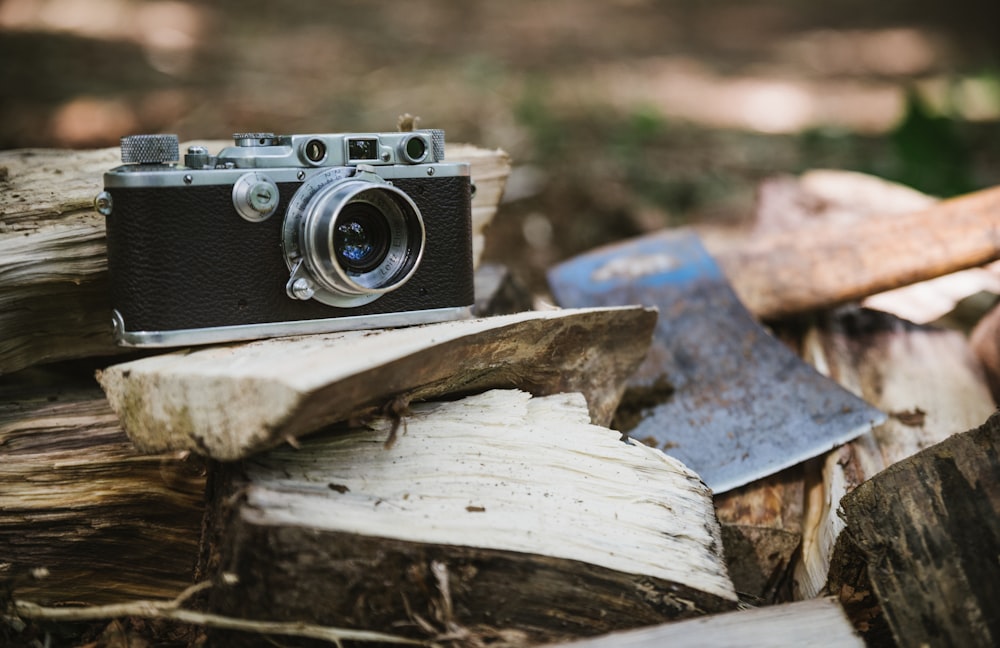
(620, 116)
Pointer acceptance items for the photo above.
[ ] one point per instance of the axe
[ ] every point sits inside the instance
(716, 390)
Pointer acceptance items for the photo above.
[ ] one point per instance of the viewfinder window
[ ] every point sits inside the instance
(362, 150)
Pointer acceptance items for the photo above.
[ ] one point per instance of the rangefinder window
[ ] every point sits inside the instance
(315, 151)
(413, 150)
(362, 150)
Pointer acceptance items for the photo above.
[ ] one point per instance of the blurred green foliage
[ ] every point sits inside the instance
(630, 141)
(545, 128)
(930, 152)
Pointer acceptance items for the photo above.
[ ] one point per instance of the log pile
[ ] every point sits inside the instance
(459, 483)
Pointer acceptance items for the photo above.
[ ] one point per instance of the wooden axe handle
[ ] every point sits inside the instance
(778, 275)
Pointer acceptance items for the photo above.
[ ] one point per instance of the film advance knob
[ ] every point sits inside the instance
(150, 149)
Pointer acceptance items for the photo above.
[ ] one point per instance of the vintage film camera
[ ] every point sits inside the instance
(285, 235)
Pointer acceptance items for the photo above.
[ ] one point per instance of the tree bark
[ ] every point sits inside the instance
(926, 533)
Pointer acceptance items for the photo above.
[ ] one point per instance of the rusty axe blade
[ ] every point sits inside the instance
(715, 390)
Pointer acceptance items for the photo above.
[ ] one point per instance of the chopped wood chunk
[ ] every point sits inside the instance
(84, 518)
(228, 402)
(924, 536)
(497, 514)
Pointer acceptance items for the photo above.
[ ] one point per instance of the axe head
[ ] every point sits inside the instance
(716, 390)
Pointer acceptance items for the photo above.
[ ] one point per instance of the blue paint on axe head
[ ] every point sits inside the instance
(672, 258)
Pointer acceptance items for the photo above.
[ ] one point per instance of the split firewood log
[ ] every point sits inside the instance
(928, 381)
(88, 519)
(498, 518)
(85, 518)
(819, 622)
(228, 402)
(923, 536)
(926, 378)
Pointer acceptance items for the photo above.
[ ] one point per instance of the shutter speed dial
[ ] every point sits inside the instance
(255, 197)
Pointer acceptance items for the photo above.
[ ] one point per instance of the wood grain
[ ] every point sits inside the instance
(927, 531)
(762, 533)
(927, 380)
(85, 518)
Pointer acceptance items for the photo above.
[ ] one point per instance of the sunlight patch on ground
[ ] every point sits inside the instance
(168, 31)
(688, 90)
(775, 102)
(898, 51)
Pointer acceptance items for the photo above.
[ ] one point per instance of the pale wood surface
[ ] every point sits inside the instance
(490, 169)
(53, 267)
(498, 515)
(832, 196)
(231, 401)
(819, 622)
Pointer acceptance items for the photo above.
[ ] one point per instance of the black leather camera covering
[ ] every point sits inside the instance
(181, 257)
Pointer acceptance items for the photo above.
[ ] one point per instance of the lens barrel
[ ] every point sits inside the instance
(360, 240)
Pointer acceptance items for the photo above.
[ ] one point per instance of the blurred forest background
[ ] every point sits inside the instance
(619, 116)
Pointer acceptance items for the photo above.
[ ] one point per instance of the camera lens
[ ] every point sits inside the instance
(361, 238)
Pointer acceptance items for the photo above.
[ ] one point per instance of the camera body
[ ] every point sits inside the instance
(285, 235)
